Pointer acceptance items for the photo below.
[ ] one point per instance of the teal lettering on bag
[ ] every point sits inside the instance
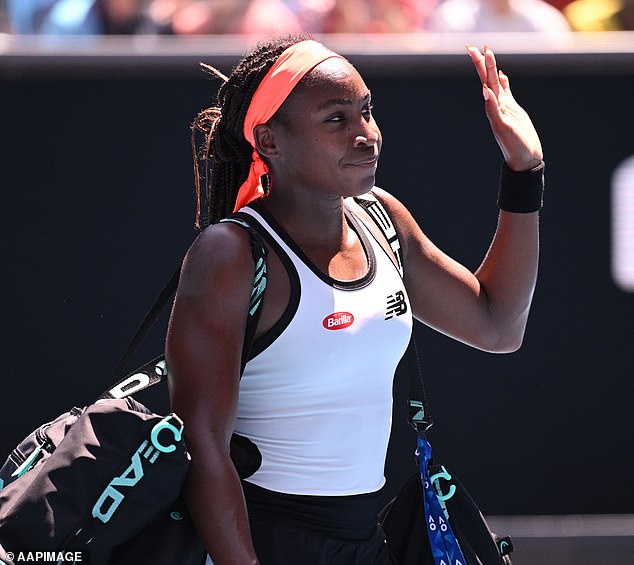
(112, 496)
(443, 475)
(165, 425)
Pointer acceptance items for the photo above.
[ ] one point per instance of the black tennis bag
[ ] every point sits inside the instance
(405, 525)
(404, 520)
(92, 479)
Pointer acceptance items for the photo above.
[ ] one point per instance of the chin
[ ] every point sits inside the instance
(350, 186)
(365, 187)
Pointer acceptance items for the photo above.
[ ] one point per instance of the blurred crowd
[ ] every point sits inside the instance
(187, 17)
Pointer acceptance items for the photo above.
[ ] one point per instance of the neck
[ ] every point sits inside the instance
(315, 221)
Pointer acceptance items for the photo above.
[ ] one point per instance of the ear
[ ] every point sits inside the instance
(264, 136)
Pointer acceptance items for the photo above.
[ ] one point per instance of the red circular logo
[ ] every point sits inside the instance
(338, 321)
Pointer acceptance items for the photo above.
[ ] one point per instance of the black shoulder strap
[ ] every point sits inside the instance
(155, 371)
(375, 209)
(150, 318)
(419, 415)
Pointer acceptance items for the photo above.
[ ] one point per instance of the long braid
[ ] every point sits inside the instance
(224, 157)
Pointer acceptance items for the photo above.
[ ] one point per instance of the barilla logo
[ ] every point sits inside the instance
(338, 321)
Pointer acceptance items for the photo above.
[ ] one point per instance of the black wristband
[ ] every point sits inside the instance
(521, 191)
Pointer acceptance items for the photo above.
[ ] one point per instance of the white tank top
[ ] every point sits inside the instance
(316, 398)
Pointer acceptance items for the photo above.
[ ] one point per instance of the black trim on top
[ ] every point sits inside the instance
(265, 340)
(353, 222)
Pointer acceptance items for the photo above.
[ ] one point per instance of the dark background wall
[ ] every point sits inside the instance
(97, 210)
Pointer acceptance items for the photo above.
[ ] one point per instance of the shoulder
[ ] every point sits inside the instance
(219, 257)
(407, 229)
(414, 243)
(398, 212)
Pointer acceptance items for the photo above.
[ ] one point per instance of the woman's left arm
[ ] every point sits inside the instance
(487, 309)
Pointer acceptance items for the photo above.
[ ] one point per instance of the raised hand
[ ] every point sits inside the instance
(511, 125)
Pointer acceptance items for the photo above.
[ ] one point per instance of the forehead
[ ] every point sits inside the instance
(333, 77)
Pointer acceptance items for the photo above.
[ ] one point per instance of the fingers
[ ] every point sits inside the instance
(493, 79)
(504, 81)
(491, 106)
(486, 67)
(478, 61)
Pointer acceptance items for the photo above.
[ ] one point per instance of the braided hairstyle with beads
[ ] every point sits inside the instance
(223, 160)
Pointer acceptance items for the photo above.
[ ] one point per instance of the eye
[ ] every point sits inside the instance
(367, 110)
(336, 118)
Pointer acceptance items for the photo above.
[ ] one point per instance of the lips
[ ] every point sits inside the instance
(368, 162)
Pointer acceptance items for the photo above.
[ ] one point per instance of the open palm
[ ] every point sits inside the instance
(511, 125)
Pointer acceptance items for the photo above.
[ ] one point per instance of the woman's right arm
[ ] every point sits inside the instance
(203, 351)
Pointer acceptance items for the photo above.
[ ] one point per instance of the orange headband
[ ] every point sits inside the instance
(271, 93)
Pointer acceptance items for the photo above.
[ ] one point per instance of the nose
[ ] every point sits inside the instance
(368, 134)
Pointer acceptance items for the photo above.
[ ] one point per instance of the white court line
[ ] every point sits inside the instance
(564, 526)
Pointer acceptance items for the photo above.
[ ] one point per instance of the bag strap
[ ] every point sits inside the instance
(442, 541)
(150, 318)
(153, 372)
(260, 278)
(443, 544)
(419, 415)
(375, 209)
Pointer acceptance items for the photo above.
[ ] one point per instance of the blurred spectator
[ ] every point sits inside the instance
(497, 16)
(269, 17)
(4, 21)
(73, 17)
(52, 16)
(265, 17)
(189, 17)
(121, 16)
(310, 14)
(371, 16)
(601, 15)
(262, 17)
(559, 4)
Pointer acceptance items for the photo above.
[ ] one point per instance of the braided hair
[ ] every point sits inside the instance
(223, 160)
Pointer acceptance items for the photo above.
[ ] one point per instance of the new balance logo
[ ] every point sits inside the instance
(396, 305)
